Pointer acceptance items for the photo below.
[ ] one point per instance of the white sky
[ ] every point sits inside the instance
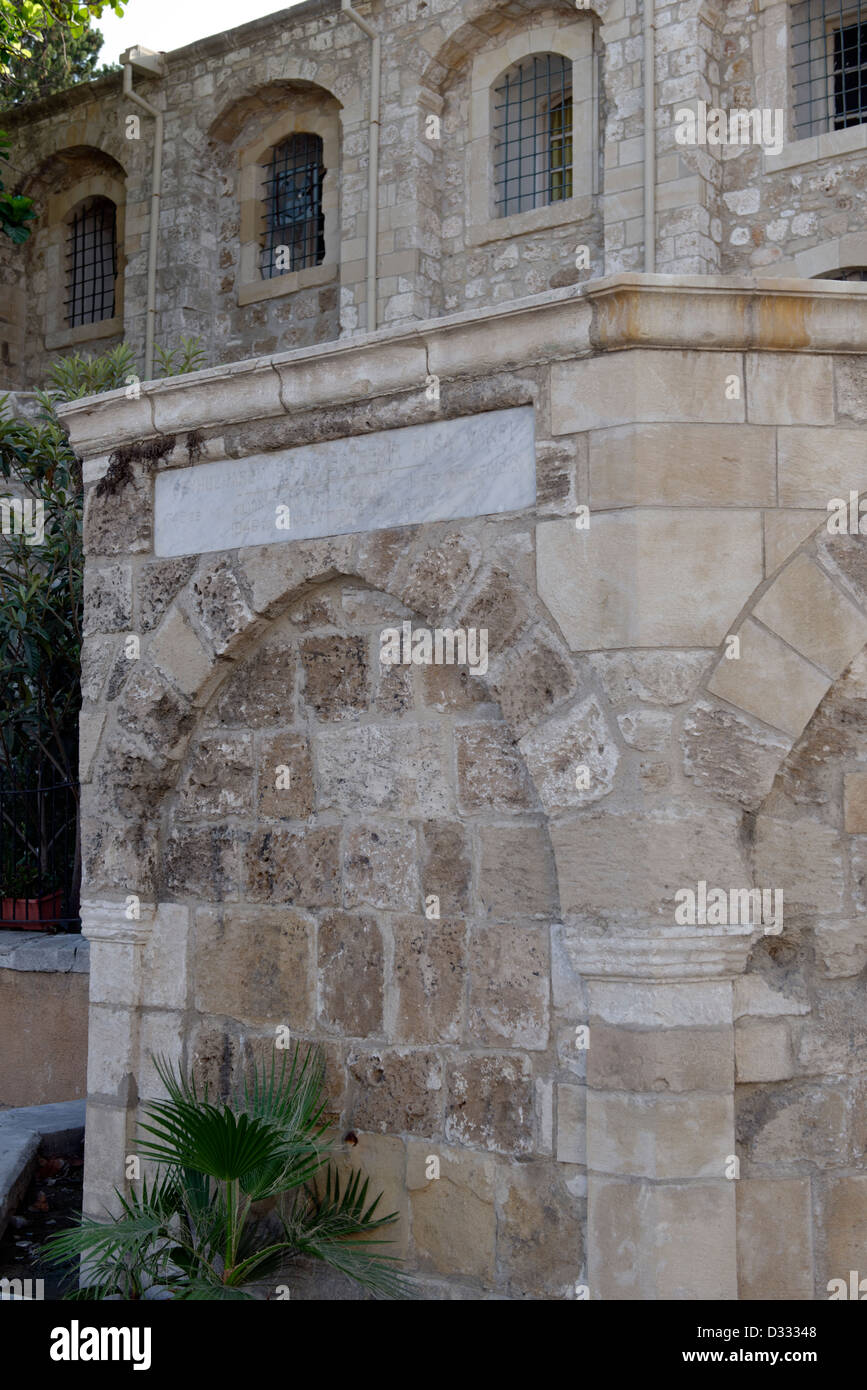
(167, 24)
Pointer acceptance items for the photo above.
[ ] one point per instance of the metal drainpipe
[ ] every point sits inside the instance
(373, 158)
(154, 222)
(649, 138)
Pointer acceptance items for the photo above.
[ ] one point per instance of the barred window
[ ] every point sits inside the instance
(294, 220)
(829, 62)
(533, 134)
(91, 257)
(851, 273)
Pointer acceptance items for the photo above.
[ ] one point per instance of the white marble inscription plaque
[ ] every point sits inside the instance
(477, 465)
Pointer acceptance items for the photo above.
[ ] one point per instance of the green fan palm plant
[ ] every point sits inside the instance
(241, 1188)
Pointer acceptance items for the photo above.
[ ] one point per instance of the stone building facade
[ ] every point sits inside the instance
(471, 890)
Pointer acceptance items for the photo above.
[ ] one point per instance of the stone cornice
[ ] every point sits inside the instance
(709, 313)
(668, 953)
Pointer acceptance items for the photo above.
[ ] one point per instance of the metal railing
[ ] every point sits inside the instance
(40, 858)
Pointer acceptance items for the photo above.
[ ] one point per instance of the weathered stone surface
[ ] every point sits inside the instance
(151, 709)
(490, 1104)
(498, 606)
(452, 688)
(255, 965)
(454, 1218)
(656, 678)
(371, 768)
(215, 1053)
(689, 1228)
(754, 997)
(177, 651)
(379, 552)
(660, 1136)
(438, 573)
(556, 466)
(831, 1040)
(625, 867)
(157, 584)
(649, 730)
(430, 964)
(119, 858)
(763, 1050)
(119, 524)
(569, 751)
(535, 678)
(808, 1119)
(204, 864)
(107, 598)
(379, 867)
(808, 611)
(770, 681)
(282, 758)
(261, 692)
(660, 1059)
(775, 1255)
(730, 755)
(841, 947)
(541, 1240)
(351, 967)
(683, 465)
(646, 577)
(571, 1124)
(846, 1225)
(218, 780)
(446, 869)
(509, 987)
(336, 679)
(516, 872)
(814, 878)
(383, 1160)
(855, 803)
(395, 1091)
(491, 771)
(217, 600)
(297, 867)
(792, 391)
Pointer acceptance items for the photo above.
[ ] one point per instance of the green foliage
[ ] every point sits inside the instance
(76, 375)
(188, 357)
(15, 211)
(41, 598)
(241, 1188)
(57, 60)
(23, 24)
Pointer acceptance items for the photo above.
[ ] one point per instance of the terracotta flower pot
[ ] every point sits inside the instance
(31, 914)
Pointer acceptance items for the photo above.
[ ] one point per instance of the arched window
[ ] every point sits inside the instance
(91, 260)
(532, 130)
(852, 273)
(294, 217)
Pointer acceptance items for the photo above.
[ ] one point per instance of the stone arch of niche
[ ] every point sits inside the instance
(798, 632)
(64, 180)
(219, 617)
(248, 127)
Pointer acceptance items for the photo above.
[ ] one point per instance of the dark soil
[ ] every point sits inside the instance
(52, 1202)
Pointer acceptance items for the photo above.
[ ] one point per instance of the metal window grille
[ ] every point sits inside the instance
(294, 220)
(829, 65)
(533, 134)
(91, 259)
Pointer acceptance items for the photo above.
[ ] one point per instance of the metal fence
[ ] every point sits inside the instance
(39, 857)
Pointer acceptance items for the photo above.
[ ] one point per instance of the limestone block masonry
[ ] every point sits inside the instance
(473, 888)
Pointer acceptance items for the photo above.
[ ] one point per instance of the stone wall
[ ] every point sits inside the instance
(43, 1018)
(621, 748)
(734, 208)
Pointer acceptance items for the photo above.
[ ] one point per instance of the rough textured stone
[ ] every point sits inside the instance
(841, 947)
(490, 1104)
(217, 600)
(350, 974)
(395, 1091)
(261, 692)
(205, 864)
(336, 681)
(536, 677)
(429, 979)
(157, 584)
(847, 1225)
(107, 599)
(255, 965)
(281, 758)
(569, 751)
(293, 867)
(437, 575)
(656, 678)
(379, 867)
(454, 1218)
(496, 606)
(730, 755)
(516, 872)
(541, 1242)
(763, 1050)
(509, 987)
(218, 780)
(491, 771)
(370, 769)
(775, 1256)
